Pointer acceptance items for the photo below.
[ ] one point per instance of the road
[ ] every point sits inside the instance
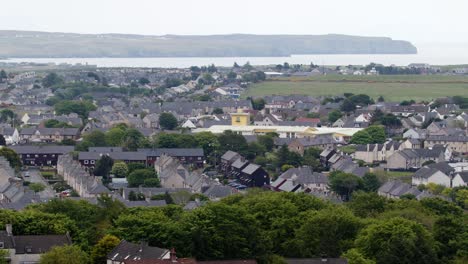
(35, 176)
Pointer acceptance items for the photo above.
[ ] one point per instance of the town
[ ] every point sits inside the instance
(128, 163)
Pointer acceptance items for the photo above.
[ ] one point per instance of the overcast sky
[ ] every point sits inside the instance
(414, 20)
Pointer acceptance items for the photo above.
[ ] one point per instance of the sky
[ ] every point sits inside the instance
(418, 21)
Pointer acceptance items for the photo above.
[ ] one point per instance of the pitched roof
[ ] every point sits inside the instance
(230, 156)
(425, 172)
(50, 149)
(251, 168)
(39, 244)
(130, 251)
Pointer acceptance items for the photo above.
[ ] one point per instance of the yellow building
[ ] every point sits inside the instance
(240, 118)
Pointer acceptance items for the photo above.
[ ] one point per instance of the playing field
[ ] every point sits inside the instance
(392, 88)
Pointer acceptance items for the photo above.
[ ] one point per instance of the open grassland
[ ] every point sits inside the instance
(392, 88)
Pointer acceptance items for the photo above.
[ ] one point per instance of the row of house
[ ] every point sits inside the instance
(234, 165)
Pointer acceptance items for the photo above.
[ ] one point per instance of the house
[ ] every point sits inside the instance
(299, 145)
(90, 158)
(217, 192)
(407, 159)
(326, 155)
(460, 179)
(131, 251)
(75, 175)
(46, 155)
(396, 188)
(266, 120)
(427, 175)
(415, 133)
(302, 179)
(370, 153)
(457, 144)
(189, 156)
(227, 160)
(48, 135)
(29, 248)
(407, 110)
(10, 134)
(173, 174)
(254, 175)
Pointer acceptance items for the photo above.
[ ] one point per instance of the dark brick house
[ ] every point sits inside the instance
(41, 155)
(254, 175)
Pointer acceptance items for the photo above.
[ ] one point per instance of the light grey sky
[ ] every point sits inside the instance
(414, 20)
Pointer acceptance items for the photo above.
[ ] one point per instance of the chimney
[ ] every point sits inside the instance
(173, 255)
(9, 229)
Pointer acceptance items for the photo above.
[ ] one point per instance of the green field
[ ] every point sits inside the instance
(392, 88)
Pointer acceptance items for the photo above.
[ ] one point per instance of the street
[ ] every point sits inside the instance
(36, 177)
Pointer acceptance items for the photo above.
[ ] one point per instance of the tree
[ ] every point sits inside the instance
(348, 106)
(258, 103)
(232, 141)
(7, 115)
(218, 111)
(115, 136)
(381, 99)
(397, 240)
(367, 204)
(143, 81)
(232, 75)
(133, 139)
(51, 79)
(3, 256)
(334, 115)
(266, 141)
(96, 138)
(329, 231)
(152, 182)
(361, 137)
(3, 74)
(102, 248)
(2, 140)
(82, 108)
(355, 257)
(64, 255)
(377, 134)
(36, 187)
(119, 169)
(167, 121)
(103, 166)
(135, 166)
(138, 177)
(370, 182)
(344, 184)
(12, 157)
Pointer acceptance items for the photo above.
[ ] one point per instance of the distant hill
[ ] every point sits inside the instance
(29, 44)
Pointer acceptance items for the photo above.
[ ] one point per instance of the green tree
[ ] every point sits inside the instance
(64, 255)
(51, 79)
(115, 136)
(3, 74)
(12, 157)
(36, 187)
(266, 141)
(377, 133)
(330, 232)
(370, 182)
(7, 115)
(334, 115)
(258, 103)
(218, 111)
(397, 240)
(143, 81)
(138, 177)
(361, 137)
(355, 257)
(344, 184)
(2, 140)
(119, 169)
(367, 204)
(133, 139)
(96, 138)
(167, 121)
(152, 182)
(348, 106)
(102, 248)
(103, 166)
(232, 141)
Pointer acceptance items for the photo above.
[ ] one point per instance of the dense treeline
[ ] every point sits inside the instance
(368, 229)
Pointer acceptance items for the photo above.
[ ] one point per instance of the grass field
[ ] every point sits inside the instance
(392, 88)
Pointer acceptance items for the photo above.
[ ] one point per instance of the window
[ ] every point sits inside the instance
(37, 156)
(93, 161)
(28, 155)
(237, 119)
(86, 161)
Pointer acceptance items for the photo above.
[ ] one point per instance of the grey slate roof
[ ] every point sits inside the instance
(230, 156)
(130, 251)
(47, 149)
(251, 168)
(218, 191)
(174, 152)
